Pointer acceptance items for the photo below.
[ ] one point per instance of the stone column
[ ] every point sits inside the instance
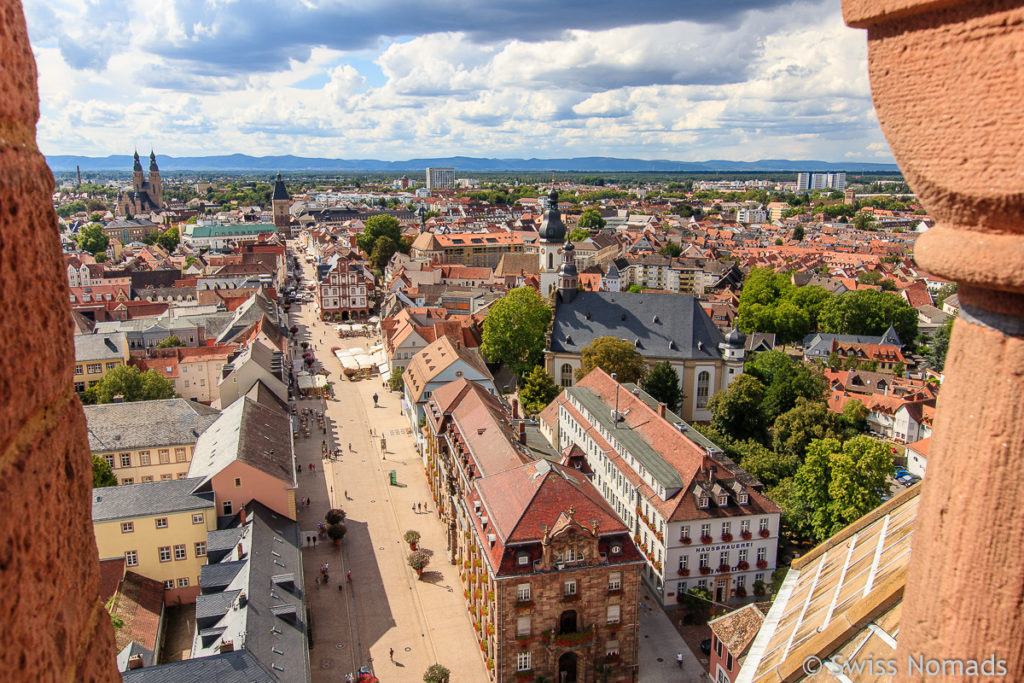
(946, 80)
(55, 627)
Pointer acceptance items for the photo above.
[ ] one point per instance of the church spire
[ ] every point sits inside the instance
(152, 161)
(138, 164)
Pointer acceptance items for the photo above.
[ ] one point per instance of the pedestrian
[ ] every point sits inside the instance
(346, 494)
(679, 659)
(348, 577)
(318, 582)
(392, 654)
(314, 541)
(349, 446)
(325, 567)
(419, 507)
(414, 507)
(312, 466)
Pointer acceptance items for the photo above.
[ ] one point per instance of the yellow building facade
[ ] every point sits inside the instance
(96, 355)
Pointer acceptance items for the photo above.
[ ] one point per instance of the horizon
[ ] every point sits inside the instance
(708, 81)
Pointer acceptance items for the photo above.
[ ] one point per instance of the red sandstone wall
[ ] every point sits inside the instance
(55, 627)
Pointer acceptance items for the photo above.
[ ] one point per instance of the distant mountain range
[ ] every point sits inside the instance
(289, 163)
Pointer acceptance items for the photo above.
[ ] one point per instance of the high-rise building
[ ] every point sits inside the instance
(820, 181)
(440, 178)
(837, 181)
(803, 181)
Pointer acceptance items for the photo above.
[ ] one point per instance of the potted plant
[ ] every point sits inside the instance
(704, 570)
(335, 516)
(727, 537)
(762, 564)
(705, 539)
(765, 533)
(418, 560)
(724, 567)
(524, 604)
(336, 532)
(741, 592)
(759, 588)
(683, 571)
(686, 540)
(746, 535)
(412, 538)
(743, 565)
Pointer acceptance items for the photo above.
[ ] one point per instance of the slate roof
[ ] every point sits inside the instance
(204, 231)
(146, 424)
(820, 343)
(279, 190)
(239, 666)
(151, 498)
(663, 326)
(100, 347)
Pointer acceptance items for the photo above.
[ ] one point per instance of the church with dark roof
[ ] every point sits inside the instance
(146, 196)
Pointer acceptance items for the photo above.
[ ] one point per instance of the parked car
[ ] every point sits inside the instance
(908, 479)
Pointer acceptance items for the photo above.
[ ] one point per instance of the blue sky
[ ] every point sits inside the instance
(396, 79)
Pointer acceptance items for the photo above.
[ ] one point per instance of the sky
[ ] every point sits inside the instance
(687, 80)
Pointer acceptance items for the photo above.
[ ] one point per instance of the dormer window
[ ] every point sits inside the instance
(522, 559)
(616, 549)
(703, 501)
(744, 498)
(723, 500)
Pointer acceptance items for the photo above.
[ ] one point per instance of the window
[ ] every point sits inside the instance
(523, 559)
(762, 554)
(718, 646)
(523, 592)
(705, 529)
(161, 522)
(722, 676)
(226, 506)
(743, 498)
(616, 549)
(165, 456)
(179, 552)
(147, 479)
(523, 661)
(126, 460)
(726, 528)
(79, 387)
(183, 582)
(723, 558)
(197, 518)
(179, 455)
(169, 584)
(78, 369)
(702, 560)
(110, 460)
(566, 375)
(131, 558)
(743, 555)
(238, 482)
(165, 477)
(165, 553)
(127, 527)
(111, 366)
(703, 384)
(684, 562)
(728, 661)
(614, 613)
(763, 524)
(523, 626)
(703, 501)
(615, 581)
(723, 500)
(569, 588)
(611, 648)
(745, 526)
(182, 475)
(127, 480)
(94, 368)
(143, 457)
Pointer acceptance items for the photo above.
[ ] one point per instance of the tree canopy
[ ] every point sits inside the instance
(736, 412)
(613, 355)
(769, 302)
(514, 330)
(662, 382)
(591, 218)
(102, 474)
(805, 422)
(579, 234)
(171, 342)
(785, 380)
(133, 385)
(671, 250)
(92, 239)
(381, 238)
(869, 312)
(537, 391)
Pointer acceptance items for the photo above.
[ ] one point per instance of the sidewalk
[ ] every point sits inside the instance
(660, 642)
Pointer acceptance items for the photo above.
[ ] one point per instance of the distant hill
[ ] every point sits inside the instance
(271, 164)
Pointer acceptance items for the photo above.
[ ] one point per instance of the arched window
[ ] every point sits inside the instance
(566, 375)
(703, 385)
(551, 260)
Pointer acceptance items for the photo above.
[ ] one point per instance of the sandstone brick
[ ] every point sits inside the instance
(18, 75)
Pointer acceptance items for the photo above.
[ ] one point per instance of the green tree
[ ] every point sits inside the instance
(662, 382)
(376, 227)
(696, 599)
(805, 422)
(790, 322)
(102, 474)
(671, 250)
(591, 218)
(612, 355)
(133, 385)
(869, 277)
(947, 290)
(170, 342)
(785, 380)
(514, 330)
(869, 312)
(635, 289)
(764, 464)
(92, 239)
(798, 233)
(855, 415)
(736, 412)
(864, 221)
(936, 353)
(436, 674)
(169, 238)
(383, 249)
(395, 381)
(779, 242)
(579, 234)
(100, 257)
(537, 391)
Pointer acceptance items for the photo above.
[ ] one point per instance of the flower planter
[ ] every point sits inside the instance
(746, 535)
(571, 598)
(683, 572)
(741, 592)
(723, 568)
(765, 533)
(524, 675)
(705, 539)
(743, 566)
(686, 540)
(726, 538)
(762, 564)
(524, 604)
(705, 571)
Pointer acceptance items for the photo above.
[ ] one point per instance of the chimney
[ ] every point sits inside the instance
(661, 410)
(522, 432)
(135, 662)
(515, 409)
(241, 551)
(227, 646)
(241, 517)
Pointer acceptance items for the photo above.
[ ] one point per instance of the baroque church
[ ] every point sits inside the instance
(146, 196)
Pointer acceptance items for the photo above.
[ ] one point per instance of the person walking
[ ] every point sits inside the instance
(391, 654)
(679, 659)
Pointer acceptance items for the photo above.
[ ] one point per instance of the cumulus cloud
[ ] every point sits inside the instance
(395, 79)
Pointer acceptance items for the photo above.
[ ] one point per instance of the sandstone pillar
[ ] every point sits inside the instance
(55, 627)
(946, 79)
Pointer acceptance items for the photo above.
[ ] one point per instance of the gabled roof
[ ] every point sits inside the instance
(151, 498)
(437, 357)
(737, 629)
(146, 424)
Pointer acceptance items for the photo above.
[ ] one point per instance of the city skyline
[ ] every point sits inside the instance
(709, 80)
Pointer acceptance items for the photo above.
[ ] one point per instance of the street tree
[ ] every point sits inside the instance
(579, 234)
(785, 380)
(869, 312)
(855, 415)
(102, 473)
(736, 412)
(613, 355)
(537, 391)
(436, 674)
(591, 218)
(395, 381)
(383, 249)
(671, 250)
(514, 330)
(805, 422)
(92, 239)
(662, 382)
(131, 384)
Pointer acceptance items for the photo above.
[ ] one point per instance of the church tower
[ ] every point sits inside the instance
(611, 281)
(568, 277)
(156, 187)
(734, 353)
(552, 237)
(280, 202)
(138, 179)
